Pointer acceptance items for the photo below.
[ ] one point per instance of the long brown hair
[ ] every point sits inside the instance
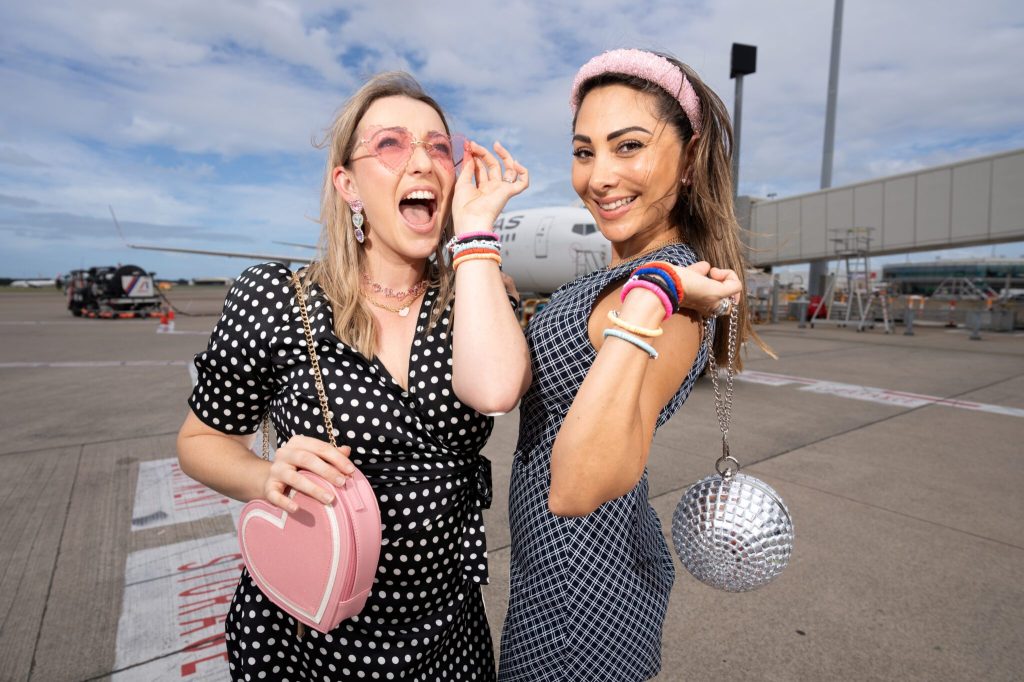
(340, 257)
(703, 213)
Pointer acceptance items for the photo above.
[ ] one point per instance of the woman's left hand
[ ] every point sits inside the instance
(704, 287)
(483, 189)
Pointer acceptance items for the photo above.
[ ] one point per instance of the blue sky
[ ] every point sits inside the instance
(194, 119)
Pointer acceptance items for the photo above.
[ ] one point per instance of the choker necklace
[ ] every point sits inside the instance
(655, 247)
(402, 309)
(387, 292)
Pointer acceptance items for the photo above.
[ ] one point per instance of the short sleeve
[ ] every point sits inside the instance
(235, 373)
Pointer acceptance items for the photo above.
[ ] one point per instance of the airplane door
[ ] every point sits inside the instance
(540, 241)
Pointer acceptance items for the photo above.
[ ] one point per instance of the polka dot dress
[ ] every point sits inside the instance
(420, 449)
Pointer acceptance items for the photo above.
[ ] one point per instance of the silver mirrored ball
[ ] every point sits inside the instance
(733, 534)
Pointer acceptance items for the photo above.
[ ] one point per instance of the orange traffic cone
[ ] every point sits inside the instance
(163, 323)
(170, 321)
(952, 313)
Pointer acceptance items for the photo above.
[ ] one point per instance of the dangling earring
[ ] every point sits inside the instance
(357, 219)
(689, 194)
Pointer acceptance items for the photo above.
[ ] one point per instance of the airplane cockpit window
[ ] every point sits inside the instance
(584, 228)
(591, 228)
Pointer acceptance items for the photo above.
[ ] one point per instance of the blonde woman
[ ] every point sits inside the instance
(411, 372)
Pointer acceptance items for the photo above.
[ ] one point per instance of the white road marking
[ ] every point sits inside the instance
(95, 363)
(176, 599)
(49, 322)
(165, 496)
(871, 394)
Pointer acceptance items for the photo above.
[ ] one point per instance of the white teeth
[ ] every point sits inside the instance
(419, 194)
(616, 204)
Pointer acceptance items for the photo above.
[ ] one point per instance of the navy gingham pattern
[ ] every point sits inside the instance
(589, 594)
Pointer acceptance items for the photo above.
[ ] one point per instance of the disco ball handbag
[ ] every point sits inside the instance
(732, 531)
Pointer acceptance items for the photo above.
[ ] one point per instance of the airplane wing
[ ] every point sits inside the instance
(301, 246)
(227, 254)
(287, 260)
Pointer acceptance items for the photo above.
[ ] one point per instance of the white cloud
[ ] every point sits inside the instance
(198, 113)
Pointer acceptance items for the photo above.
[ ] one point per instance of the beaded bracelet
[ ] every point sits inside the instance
(470, 236)
(669, 270)
(613, 315)
(476, 256)
(636, 283)
(626, 336)
(476, 244)
(672, 292)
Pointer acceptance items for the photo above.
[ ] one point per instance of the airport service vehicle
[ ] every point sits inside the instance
(112, 292)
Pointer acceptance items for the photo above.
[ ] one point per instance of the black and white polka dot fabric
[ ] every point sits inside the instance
(420, 449)
(588, 594)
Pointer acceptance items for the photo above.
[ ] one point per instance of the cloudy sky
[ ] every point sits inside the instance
(194, 118)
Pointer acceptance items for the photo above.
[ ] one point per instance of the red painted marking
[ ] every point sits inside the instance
(219, 604)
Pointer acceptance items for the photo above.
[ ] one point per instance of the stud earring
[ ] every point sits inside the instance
(358, 219)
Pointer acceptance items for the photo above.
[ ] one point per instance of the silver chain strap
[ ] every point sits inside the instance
(315, 362)
(723, 406)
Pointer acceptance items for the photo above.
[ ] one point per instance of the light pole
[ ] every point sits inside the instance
(744, 62)
(819, 268)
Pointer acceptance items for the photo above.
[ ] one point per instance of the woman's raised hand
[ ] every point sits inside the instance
(483, 188)
(313, 455)
(704, 287)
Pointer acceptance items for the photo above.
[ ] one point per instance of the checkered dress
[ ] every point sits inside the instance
(588, 594)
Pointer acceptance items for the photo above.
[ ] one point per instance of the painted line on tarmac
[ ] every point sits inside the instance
(871, 394)
(48, 322)
(166, 496)
(176, 600)
(95, 363)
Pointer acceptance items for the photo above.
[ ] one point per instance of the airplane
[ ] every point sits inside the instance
(34, 283)
(541, 248)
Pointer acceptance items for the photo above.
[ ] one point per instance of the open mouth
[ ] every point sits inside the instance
(418, 207)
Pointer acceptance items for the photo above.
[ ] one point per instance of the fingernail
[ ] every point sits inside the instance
(339, 481)
(326, 498)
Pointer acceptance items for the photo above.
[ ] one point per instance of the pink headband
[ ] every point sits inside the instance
(645, 65)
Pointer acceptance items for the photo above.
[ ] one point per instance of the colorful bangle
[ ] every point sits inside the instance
(469, 252)
(479, 234)
(613, 315)
(660, 283)
(476, 256)
(636, 283)
(626, 336)
(670, 270)
(672, 292)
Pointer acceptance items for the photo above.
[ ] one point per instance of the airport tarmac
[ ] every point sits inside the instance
(901, 459)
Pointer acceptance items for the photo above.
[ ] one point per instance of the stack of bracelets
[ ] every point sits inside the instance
(659, 278)
(475, 246)
(478, 246)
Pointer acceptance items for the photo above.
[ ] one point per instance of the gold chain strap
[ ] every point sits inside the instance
(315, 362)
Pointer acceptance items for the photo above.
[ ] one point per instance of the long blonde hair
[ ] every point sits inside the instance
(703, 214)
(338, 267)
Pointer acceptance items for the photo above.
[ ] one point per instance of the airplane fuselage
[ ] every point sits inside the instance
(543, 248)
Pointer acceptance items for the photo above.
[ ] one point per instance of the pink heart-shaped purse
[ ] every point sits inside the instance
(316, 564)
